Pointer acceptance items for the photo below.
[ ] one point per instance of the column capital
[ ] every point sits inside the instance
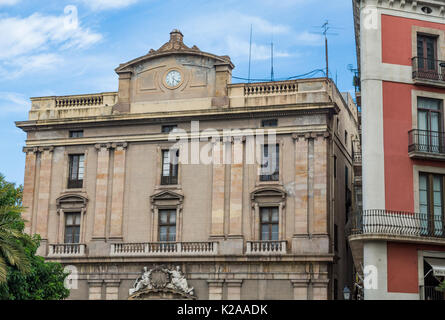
(319, 283)
(300, 283)
(46, 148)
(215, 283)
(100, 146)
(234, 283)
(119, 145)
(30, 149)
(112, 282)
(95, 282)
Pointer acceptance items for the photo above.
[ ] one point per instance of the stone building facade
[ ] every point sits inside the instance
(101, 189)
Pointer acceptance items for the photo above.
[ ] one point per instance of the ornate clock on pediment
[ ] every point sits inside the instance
(173, 78)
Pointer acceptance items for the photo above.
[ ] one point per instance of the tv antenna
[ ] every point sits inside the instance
(271, 61)
(250, 53)
(325, 28)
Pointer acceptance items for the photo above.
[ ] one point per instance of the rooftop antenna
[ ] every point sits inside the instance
(250, 53)
(271, 61)
(325, 28)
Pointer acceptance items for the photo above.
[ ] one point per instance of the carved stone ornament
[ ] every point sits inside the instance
(160, 278)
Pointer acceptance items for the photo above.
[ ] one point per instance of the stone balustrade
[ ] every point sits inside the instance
(164, 248)
(72, 106)
(266, 247)
(270, 88)
(67, 250)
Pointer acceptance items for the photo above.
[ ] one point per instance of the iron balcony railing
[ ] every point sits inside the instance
(428, 69)
(397, 223)
(431, 293)
(426, 141)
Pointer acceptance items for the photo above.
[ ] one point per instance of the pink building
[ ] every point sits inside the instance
(398, 240)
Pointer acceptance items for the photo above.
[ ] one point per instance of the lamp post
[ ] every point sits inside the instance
(346, 293)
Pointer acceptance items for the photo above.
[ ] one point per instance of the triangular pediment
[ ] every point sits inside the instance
(167, 195)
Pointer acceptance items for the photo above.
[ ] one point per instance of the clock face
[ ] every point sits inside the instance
(173, 78)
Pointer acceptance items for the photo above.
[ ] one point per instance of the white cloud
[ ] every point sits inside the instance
(228, 33)
(36, 43)
(13, 102)
(38, 32)
(98, 5)
(28, 64)
(8, 2)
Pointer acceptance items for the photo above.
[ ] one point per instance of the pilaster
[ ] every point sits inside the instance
(44, 191)
(117, 202)
(29, 187)
(103, 158)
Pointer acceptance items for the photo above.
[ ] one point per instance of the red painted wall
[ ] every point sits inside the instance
(402, 266)
(402, 258)
(397, 39)
(397, 122)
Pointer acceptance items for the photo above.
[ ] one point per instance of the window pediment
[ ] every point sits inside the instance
(167, 195)
(265, 193)
(71, 201)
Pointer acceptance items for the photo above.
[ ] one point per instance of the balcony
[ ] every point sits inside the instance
(266, 247)
(164, 249)
(428, 72)
(398, 224)
(426, 145)
(67, 250)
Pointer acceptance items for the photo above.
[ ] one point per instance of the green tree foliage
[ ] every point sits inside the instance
(44, 280)
(23, 275)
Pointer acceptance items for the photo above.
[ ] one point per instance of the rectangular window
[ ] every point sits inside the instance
(168, 128)
(427, 53)
(269, 223)
(72, 227)
(270, 164)
(346, 138)
(167, 225)
(431, 203)
(76, 171)
(76, 134)
(170, 160)
(269, 123)
(429, 119)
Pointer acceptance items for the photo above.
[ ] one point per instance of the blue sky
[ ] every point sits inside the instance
(41, 57)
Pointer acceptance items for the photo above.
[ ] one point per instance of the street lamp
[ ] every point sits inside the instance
(346, 293)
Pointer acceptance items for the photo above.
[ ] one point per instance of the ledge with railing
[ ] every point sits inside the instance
(266, 247)
(428, 70)
(397, 223)
(67, 250)
(431, 143)
(164, 248)
(75, 101)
